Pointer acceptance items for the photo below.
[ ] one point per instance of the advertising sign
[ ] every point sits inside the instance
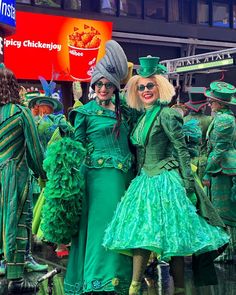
(62, 47)
(8, 12)
(206, 65)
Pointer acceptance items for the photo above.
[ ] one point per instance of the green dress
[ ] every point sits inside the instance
(221, 171)
(46, 125)
(20, 150)
(91, 268)
(47, 128)
(155, 212)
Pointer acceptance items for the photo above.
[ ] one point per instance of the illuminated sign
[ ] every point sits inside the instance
(204, 66)
(215, 59)
(8, 12)
(68, 48)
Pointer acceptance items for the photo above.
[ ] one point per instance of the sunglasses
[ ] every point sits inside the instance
(149, 86)
(107, 85)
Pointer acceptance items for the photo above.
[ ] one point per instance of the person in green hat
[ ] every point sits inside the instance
(43, 107)
(197, 106)
(220, 172)
(20, 152)
(157, 213)
(30, 263)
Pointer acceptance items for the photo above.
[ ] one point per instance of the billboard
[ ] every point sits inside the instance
(46, 45)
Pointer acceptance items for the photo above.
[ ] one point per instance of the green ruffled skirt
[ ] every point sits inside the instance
(156, 214)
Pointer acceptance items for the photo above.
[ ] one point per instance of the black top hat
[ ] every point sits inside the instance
(197, 98)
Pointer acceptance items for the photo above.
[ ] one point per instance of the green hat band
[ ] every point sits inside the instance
(222, 95)
(150, 66)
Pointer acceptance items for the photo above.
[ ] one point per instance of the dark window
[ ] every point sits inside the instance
(174, 9)
(108, 6)
(50, 3)
(203, 12)
(234, 15)
(72, 4)
(90, 5)
(131, 8)
(188, 9)
(220, 13)
(24, 1)
(155, 9)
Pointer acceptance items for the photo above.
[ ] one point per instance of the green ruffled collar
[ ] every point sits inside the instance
(91, 108)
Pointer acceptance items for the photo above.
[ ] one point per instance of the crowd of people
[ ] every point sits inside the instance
(126, 177)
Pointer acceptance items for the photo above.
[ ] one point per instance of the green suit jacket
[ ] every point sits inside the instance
(163, 144)
(94, 128)
(221, 137)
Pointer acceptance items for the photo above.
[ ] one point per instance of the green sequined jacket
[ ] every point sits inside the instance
(221, 137)
(161, 144)
(200, 160)
(204, 122)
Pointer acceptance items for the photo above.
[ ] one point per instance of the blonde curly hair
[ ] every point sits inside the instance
(165, 88)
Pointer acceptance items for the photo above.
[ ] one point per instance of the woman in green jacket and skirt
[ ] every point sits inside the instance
(157, 212)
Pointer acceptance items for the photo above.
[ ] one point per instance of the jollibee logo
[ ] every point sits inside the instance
(76, 53)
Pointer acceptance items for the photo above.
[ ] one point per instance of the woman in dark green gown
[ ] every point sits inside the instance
(102, 127)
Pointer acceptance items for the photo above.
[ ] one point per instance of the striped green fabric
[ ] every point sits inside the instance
(221, 186)
(19, 149)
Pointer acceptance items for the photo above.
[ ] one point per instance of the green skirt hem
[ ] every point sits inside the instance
(111, 286)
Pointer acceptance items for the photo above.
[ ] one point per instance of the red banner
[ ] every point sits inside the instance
(62, 47)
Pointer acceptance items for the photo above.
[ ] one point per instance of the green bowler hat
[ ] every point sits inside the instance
(149, 66)
(42, 100)
(222, 92)
(31, 94)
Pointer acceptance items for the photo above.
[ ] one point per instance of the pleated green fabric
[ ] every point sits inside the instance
(155, 214)
(221, 186)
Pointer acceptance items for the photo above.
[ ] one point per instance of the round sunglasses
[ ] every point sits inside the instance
(149, 86)
(107, 85)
